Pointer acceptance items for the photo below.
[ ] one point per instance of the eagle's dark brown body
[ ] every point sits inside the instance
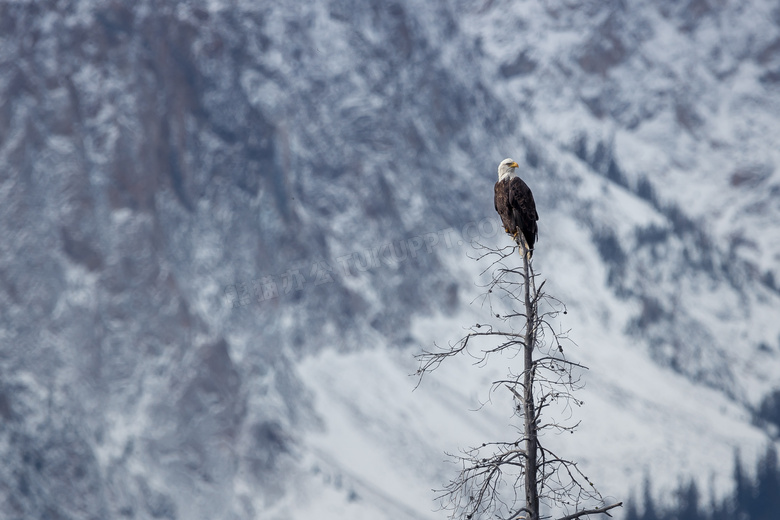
(515, 204)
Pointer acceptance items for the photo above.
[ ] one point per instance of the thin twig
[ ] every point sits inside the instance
(596, 511)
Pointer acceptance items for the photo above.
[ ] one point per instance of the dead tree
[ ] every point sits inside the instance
(510, 479)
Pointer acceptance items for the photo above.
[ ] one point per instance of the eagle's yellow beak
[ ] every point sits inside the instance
(513, 165)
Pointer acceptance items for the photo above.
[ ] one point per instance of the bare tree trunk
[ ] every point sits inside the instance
(529, 405)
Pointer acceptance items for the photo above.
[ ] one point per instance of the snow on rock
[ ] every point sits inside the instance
(228, 226)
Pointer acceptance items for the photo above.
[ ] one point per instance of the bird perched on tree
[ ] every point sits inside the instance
(515, 204)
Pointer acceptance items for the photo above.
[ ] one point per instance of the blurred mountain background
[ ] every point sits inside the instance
(227, 226)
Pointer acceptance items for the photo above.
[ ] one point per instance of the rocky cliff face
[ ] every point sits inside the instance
(194, 198)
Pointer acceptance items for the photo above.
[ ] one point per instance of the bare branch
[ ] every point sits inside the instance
(508, 478)
(515, 392)
(596, 511)
(561, 360)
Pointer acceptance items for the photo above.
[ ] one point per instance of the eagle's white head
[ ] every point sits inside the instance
(506, 170)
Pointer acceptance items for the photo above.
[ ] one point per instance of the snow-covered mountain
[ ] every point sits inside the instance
(228, 226)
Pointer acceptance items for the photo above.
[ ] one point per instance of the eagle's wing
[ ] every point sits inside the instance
(501, 203)
(522, 203)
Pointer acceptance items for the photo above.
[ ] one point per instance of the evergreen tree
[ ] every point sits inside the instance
(749, 500)
(649, 513)
(631, 511)
(767, 500)
(743, 490)
(720, 510)
(688, 502)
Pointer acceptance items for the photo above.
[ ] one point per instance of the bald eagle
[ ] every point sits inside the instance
(515, 204)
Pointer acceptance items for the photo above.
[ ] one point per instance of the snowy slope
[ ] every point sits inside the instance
(638, 420)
